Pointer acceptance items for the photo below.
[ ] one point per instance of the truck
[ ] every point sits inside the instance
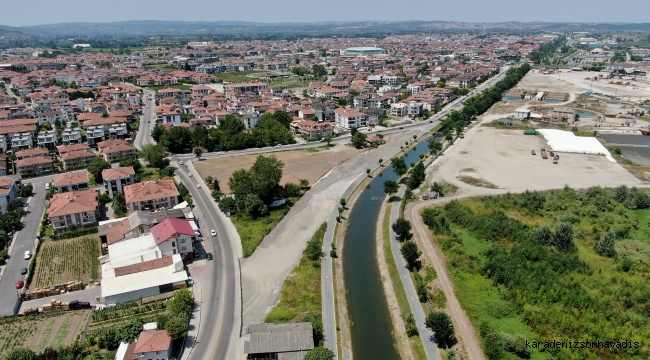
(543, 152)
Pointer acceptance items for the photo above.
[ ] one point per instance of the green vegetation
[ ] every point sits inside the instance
(177, 86)
(65, 260)
(565, 265)
(548, 51)
(252, 231)
(301, 293)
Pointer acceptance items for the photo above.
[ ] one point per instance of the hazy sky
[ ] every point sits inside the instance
(33, 12)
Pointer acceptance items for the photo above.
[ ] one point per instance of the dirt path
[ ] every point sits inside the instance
(465, 332)
(401, 339)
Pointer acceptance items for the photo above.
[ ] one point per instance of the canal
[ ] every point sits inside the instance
(366, 300)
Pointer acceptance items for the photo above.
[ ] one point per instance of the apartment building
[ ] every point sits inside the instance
(71, 136)
(78, 208)
(71, 181)
(114, 150)
(21, 141)
(9, 186)
(47, 139)
(350, 118)
(77, 159)
(151, 195)
(34, 165)
(115, 179)
(174, 236)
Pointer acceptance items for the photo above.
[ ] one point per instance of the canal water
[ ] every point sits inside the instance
(366, 300)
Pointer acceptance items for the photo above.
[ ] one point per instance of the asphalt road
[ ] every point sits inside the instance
(147, 120)
(23, 241)
(218, 286)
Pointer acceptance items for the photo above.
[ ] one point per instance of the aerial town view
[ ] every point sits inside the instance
(417, 180)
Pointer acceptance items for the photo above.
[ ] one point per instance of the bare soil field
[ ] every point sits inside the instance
(61, 261)
(298, 164)
(567, 82)
(39, 332)
(503, 158)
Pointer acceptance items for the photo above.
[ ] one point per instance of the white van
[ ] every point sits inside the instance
(27, 255)
(47, 186)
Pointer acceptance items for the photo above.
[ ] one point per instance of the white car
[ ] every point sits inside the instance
(181, 162)
(213, 233)
(190, 175)
(220, 153)
(28, 255)
(278, 145)
(198, 185)
(47, 186)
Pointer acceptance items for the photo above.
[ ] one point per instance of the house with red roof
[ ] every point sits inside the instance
(78, 208)
(174, 236)
(151, 344)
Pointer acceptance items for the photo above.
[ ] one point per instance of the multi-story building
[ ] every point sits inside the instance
(8, 191)
(151, 195)
(78, 208)
(21, 141)
(34, 165)
(350, 118)
(114, 150)
(174, 236)
(94, 134)
(47, 139)
(77, 159)
(115, 179)
(71, 136)
(24, 154)
(71, 181)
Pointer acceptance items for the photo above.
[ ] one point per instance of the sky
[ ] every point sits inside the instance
(35, 12)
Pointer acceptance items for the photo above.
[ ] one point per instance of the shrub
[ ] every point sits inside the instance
(104, 199)
(605, 246)
(515, 344)
(411, 326)
(543, 235)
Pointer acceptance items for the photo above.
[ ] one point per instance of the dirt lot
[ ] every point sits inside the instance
(503, 158)
(575, 82)
(298, 164)
(65, 260)
(39, 332)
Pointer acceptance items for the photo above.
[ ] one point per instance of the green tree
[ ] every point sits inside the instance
(543, 235)
(319, 353)
(227, 205)
(263, 179)
(109, 339)
(304, 183)
(328, 139)
(410, 326)
(231, 125)
(399, 166)
(605, 246)
(319, 70)
(390, 187)
(20, 354)
(402, 228)
(49, 353)
(563, 237)
(130, 330)
(417, 176)
(157, 132)
(359, 139)
(119, 204)
(343, 102)
(410, 252)
(181, 303)
(177, 140)
(176, 327)
(198, 152)
(26, 191)
(434, 146)
(314, 250)
(443, 329)
(342, 202)
(125, 162)
(253, 206)
(155, 155)
(96, 167)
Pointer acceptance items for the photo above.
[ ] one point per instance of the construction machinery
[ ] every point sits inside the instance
(543, 152)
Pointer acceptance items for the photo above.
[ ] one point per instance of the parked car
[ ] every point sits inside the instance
(23, 271)
(209, 257)
(198, 185)
(47, 186)
(213, 233)
(28, 255)
(20, 284)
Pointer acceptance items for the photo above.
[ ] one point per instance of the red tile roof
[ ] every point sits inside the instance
(73, 202)
(153, 340)
(36, 160)
(116, 233)
(31, 152)
(150, 190)
(144, 266)
(170, 228)
(118, 173)
(71, 178)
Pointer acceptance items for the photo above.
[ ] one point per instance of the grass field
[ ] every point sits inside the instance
(301, 298)
(252, 232)
(509, 281)
(237, 77)
(398, 287)
(40, 331)
(177, 86)
(65, 260)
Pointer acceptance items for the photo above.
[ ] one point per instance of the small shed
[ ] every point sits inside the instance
(522, 114)
(279, 341)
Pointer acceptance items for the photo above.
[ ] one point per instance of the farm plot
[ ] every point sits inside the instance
(40, 331)
(65, 260)
(115, 316)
